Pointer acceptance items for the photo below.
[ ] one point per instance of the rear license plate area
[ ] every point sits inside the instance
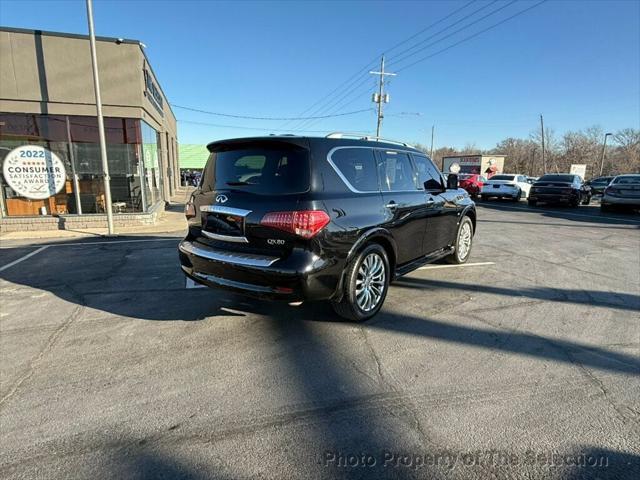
(224, 224)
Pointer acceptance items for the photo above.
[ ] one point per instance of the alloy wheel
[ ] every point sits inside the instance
(370, 283)
(464, 241)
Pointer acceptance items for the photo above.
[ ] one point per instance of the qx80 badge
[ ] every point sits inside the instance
(221, 198)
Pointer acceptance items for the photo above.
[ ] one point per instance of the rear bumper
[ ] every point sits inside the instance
(553, 197)
(611, 200)
(301, 276)
(499, 193)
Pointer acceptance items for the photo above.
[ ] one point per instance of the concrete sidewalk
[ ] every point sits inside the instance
(171, 220)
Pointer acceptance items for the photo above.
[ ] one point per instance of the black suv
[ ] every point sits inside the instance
(299, 218)
(560, 188)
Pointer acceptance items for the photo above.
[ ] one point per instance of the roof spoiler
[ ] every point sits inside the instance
(369, 138)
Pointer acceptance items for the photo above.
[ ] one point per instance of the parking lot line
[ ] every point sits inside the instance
(101, 242)
(477, 264)
(564, 213)
(28, 255)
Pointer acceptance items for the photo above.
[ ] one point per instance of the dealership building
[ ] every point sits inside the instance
(52, 174)
(486, 165)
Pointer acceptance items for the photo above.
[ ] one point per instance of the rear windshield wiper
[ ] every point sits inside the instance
(240, 183)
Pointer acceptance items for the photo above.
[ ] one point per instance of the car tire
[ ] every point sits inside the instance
(517, 197)
(576, 202)
(532, 203)
(464, 242)
(365, 267)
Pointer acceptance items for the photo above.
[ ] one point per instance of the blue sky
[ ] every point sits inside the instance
(577, 62)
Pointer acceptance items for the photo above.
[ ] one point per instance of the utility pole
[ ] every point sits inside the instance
(103, 142)
(381, 97)
(433, 127)
(544, 160)
(604, 148)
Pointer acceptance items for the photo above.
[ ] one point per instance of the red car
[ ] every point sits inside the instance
(472, 183)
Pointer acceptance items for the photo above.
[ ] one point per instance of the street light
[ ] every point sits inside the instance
(101, 136)
(604, 148)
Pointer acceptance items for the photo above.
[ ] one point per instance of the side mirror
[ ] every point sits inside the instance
(452, 181)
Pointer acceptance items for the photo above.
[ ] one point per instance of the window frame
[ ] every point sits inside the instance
(344, 178)
(443, 183)
(414, 171)
(376, 150)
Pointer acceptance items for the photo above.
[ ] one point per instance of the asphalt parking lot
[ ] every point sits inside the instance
(524, 363)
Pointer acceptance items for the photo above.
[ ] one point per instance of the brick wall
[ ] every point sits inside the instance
(79, 222)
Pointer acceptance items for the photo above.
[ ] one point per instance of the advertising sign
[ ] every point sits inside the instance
(578, 169)
(34, 172)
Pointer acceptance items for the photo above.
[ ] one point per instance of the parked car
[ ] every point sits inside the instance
(472, 183)
(624, 190)
(300, 218)
(505, 185)
(599, 184)
(560, 188)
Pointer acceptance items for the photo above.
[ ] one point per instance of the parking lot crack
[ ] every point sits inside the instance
(621, 411)
(409, 406)
(51, 342)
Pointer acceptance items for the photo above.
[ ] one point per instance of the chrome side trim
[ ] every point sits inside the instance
(225, 210)
(246, 259)
(224, 238)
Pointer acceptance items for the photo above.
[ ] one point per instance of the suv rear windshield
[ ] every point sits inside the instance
(264, 170)
(557, 178)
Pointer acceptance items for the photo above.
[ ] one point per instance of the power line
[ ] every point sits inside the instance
(335, 104)
(352, 80)
(247, 117)
(398, 57)
(437, 22)
(471, 36)
(265, 129)
(348, 81)
(464, 27)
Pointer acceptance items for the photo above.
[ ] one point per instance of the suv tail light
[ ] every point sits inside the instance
(611, 191)
(304, 223)
(189, 210)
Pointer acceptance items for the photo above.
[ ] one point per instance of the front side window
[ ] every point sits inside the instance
(395, 172)
(428, 174)
(358, 167)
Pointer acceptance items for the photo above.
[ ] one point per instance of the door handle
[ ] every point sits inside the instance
(430, 202)
(391, 205)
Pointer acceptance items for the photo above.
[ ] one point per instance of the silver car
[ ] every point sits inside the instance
(624, 190)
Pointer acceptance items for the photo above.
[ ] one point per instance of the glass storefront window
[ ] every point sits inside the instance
(150, 143)
(132, 152)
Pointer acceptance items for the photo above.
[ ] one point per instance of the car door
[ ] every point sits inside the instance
(441, 211)
(404, 204)
(524, 185)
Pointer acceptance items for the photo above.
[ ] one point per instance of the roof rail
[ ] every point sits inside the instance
(369, 138)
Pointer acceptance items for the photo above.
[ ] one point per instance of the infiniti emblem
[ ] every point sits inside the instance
(221, 198)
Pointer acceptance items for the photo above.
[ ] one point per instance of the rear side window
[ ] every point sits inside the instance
(627, 180)
(264, 171)
(395, 172)
(428, 174)
(358, 167)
